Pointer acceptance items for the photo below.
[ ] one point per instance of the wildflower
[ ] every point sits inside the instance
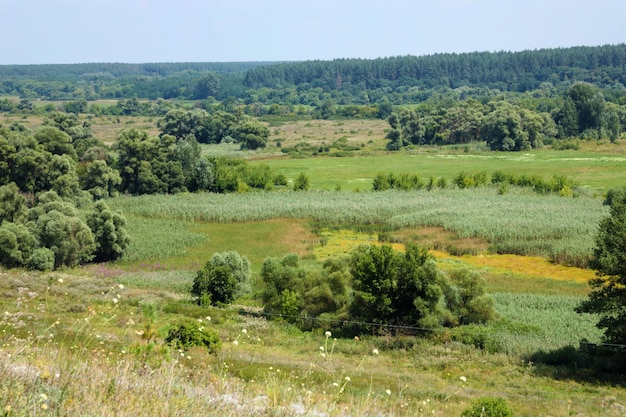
(375, 351)
(114, 301)
(208, 318)
(43, 397)
(328, 334)
(347, 379)
(235, 342)
(462, 378)
(244, 331)
(44, 406)
(335, 384)
(121, 286)
(322, 348)
(60, 280)
(388, 392)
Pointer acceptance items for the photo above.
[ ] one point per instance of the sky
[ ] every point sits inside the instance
(139, 31)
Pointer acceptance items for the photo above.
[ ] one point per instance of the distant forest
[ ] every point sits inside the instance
(398, 80)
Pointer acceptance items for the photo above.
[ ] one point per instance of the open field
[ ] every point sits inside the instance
(90, 340)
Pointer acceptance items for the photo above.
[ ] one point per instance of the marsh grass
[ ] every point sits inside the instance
(520, 222)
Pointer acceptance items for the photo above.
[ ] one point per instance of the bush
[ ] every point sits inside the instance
(110, 236)
(223, 278)
(488, 407)
(301, 183)
(42, 259)
(188, 333)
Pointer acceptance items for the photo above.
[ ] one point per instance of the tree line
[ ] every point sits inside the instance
(581, 111)
(402, 79)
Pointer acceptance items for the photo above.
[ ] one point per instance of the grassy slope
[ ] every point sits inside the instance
(67, 348)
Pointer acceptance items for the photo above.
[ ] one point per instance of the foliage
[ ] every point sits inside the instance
(394, 288)
(222, 279)
(466, 298)
(12, 204)
(42, 259)
(101, 180)
(16, 244)
(608, 296)
(188, 333)
(309, 297)
(488, 407)
(58, 227)
(301, 183)
(108, 229)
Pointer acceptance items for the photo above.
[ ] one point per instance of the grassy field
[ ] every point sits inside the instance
(90, 341)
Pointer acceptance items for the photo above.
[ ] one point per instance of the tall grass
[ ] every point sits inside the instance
(518, 222)
(532, 322)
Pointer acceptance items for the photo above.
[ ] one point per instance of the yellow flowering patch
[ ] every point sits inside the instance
(339, 243)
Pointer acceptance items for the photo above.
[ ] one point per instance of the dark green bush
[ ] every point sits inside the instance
(188, 333)
(488, 407)
(42, 259)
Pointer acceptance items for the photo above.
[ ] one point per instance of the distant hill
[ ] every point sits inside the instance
(350, 81)
(511, 71)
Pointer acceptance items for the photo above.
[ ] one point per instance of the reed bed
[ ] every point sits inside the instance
(519, 222)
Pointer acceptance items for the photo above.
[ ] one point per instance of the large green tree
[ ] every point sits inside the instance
(608, 295)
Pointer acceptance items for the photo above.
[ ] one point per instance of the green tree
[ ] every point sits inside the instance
(109, 232)
(374, 270)
(589, 103)
(208, 85)
(181, 123)
(503, 129)
(301, 182)
(57, 226)
(251, 134)
(100, 179)
(56, 141)
(282, 278)
(13, 206)
(608, 295)
(223, 278)
(16, 244)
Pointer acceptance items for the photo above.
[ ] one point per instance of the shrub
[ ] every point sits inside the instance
(188, 333)
(301, 183)
(488, 407)
(110, 236)
(223, 278)
(42, 259)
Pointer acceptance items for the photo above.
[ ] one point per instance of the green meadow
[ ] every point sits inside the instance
(595, 170)
(90, 340)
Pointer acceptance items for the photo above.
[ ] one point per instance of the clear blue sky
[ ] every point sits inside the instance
(135, 31)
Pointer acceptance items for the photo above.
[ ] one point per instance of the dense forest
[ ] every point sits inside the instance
(399, 80)
(512, 101)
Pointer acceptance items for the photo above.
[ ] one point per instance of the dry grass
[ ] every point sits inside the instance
(318, 132)
(106, 128)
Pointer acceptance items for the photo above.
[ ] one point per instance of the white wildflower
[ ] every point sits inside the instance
(375, 351)
(462, 378)
(328, 333)
(388, 392)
